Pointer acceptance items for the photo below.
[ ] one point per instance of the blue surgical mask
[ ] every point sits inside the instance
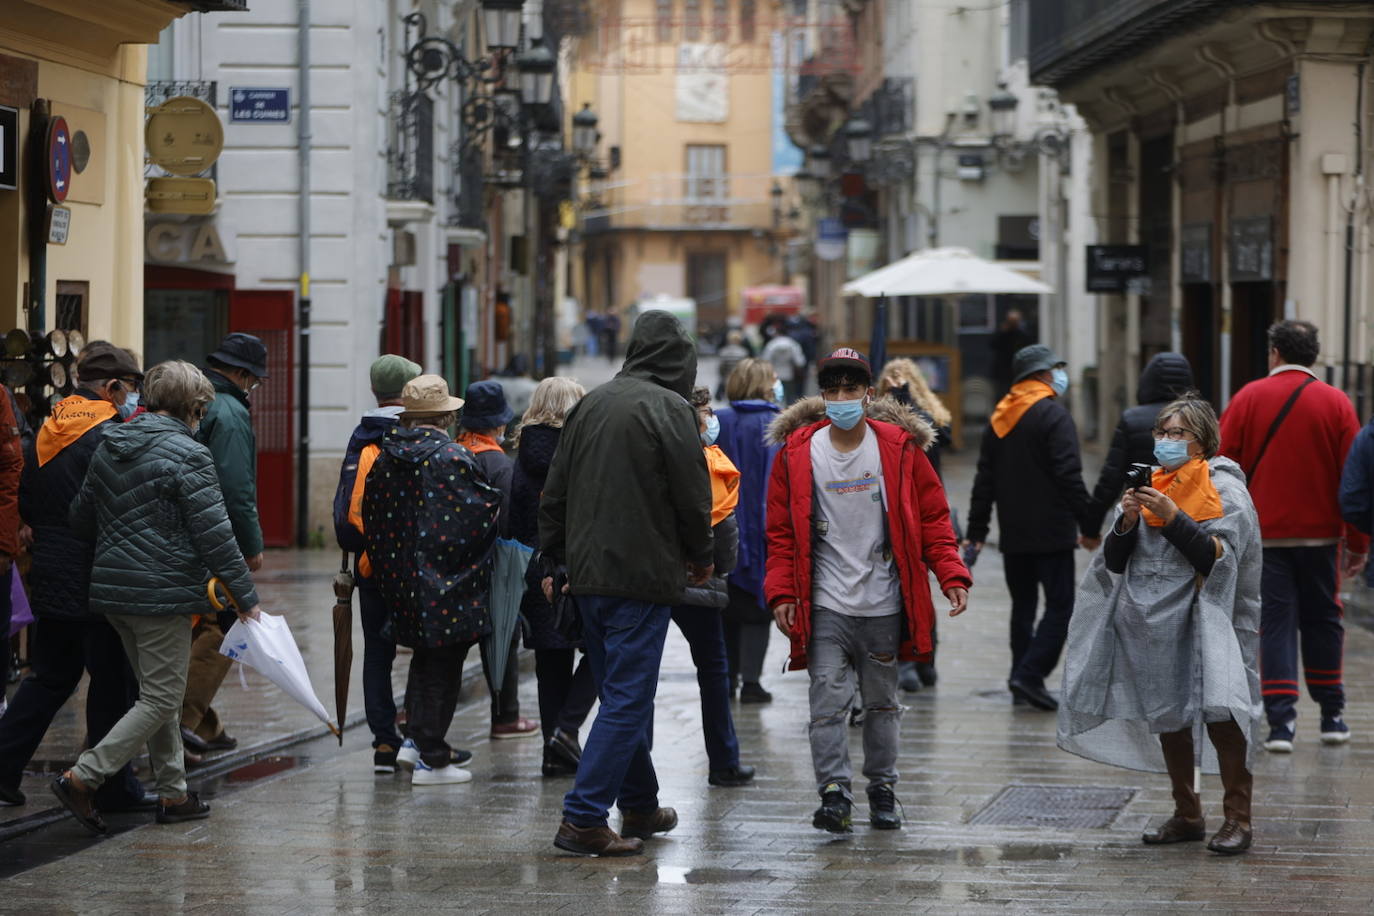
(1059, 381)
(845, 414)
(126, 410)
(1171, 454)
(712, 430)
(777, 390)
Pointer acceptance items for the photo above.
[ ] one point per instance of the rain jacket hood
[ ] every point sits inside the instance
(1165, 377)
(661, 352)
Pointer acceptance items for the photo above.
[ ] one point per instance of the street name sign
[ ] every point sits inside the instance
(259, 106)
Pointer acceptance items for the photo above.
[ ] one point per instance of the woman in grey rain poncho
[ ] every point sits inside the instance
(1165, 634)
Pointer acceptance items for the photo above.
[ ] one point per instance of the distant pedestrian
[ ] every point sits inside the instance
(566, 688)
(1165, 377)
(388, 375)
(857, 522)
(802, 329)
(698, 611)
(484, 420)
(731, 353)
(754, 393)
(1011, 336)
(1167, 643)
(594, 323)
(236, 370)
(1029, 466)
(430, 518)
(1290, 433)
(627, 506)
(788, 362)
(151, 504)
(610, 334)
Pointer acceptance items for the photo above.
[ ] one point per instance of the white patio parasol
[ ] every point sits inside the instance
(943, 272)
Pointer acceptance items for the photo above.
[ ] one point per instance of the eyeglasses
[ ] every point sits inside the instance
(1177, 435)
(198, 413)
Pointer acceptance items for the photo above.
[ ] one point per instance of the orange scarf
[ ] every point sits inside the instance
(71, 419)
(477, 443)
(1023, 396)
(1190, 487)
(724, 484)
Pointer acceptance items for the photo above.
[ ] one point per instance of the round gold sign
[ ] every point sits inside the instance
(184, 136)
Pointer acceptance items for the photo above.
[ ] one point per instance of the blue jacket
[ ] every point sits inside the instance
(742, 428)
(1357, 486)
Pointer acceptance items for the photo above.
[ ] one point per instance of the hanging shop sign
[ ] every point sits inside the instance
(9, 148)
(250, 105)
(1195, 253)
(184, 136)
(59, 157)
(1252, 250)
(59, 225)
(1113, 268)
(195, 196)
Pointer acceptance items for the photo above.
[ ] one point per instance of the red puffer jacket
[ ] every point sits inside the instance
(917, 519)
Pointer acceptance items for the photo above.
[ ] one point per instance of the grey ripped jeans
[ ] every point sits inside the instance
(843, 647)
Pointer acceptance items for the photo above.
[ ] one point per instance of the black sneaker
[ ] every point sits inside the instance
(384, 759)
(834, 813)
(191, 808)
(459, 757)
(737, 775)
(882, 809)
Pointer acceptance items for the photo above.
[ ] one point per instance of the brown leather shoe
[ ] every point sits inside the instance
(1176, 830)
(79, 801)
(595, 841)
(1232, 839)
(645, 824)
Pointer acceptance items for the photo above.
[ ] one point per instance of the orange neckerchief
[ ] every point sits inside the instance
(724, 484)
(1190, 487)
(71, 418)
(1013, 406)
(478, 442)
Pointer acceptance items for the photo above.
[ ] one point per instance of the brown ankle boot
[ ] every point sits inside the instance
(645, 824)
(595, 841)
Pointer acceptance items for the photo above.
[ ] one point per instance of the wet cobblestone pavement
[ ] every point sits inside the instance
(313, 830)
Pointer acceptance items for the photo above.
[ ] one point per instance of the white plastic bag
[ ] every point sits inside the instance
(267, 646)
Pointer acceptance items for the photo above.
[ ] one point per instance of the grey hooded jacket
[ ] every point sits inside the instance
(151, 502)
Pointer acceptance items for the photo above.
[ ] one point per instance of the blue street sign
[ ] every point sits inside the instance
(831, 239)
(261, 106)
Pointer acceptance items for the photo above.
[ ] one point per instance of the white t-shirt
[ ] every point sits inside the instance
(852, 568)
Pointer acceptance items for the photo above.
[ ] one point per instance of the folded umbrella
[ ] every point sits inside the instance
(507, 588)
(343, 640)
(267, 645)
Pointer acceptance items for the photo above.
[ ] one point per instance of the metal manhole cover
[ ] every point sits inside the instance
(1055, 806)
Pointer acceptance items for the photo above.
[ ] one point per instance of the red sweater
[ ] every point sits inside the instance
(1296, 487)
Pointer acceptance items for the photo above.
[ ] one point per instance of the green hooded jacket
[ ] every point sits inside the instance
(627, 503)
(227, 431)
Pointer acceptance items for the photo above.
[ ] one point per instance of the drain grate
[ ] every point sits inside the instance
(1055, 806)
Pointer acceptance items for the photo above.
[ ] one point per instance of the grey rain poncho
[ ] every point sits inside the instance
(1149, 653)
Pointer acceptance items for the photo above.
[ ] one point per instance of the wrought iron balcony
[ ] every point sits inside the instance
(677, 202)
(410, 153)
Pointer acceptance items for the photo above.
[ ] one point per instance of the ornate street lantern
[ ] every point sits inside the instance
(536, 66)
(858, 135)
(501, 19)
(584, 135)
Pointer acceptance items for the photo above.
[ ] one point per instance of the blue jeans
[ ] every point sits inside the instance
(705, 635)
(624, 639)
(379, 653)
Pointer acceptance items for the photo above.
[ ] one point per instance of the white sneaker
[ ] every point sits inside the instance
(450, 775)
(408, 755)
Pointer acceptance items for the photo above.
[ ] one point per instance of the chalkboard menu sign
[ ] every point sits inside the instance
(1252, 250)
(1195, 253)
(1111, 268)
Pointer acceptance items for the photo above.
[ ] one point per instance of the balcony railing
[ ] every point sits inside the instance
(1070, 37)
(410, 154)
(680, 202)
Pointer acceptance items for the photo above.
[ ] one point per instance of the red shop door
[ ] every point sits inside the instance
(404, 332)
(269, 315)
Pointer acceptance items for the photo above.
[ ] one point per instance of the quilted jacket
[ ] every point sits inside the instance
(151, 502)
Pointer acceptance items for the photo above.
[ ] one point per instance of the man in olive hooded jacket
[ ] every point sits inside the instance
(627, 507)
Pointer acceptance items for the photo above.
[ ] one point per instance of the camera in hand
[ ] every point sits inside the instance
(1139, 475)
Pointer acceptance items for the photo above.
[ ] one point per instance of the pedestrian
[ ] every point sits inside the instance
(788, 362)
(388, 375)
(1029, 466)
(610, 334)
(483, 429)
(754, 393)
(236, 369)
(595, 326)
(1290, 433)
(627, 506)
(566, 688)
(731, 354)
(11, 467)
(1008, 340)
(697, 612)
(857, 522)
(801, 328)
(1357, 488)
(430, 519)
(69, 637)
(151, 505)
(1167, 644)
(1165, 377)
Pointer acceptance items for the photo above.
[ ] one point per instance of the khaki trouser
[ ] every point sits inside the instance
(206, 673)
(158, 649)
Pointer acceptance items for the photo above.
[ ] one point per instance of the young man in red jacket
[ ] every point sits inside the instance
(1290, 432)
(856, 519)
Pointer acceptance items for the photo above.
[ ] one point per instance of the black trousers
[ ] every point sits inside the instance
(1035, 649)
(62, 651)
(1298, 599)
(566, 690)
(432, 687)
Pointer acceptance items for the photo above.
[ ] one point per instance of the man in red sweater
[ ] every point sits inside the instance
(1290, 432)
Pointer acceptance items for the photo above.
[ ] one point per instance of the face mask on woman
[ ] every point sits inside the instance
(1171, 453)
(845, 414)
(712, 430)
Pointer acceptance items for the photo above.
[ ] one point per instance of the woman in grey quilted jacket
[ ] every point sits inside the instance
(152, 504)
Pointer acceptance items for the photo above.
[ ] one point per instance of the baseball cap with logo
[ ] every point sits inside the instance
(845, 358)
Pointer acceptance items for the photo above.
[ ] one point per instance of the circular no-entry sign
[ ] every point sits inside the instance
(59, 160)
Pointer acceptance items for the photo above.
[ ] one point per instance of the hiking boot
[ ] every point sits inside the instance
(384, 759)
(79, 801)
(1334, 730)
(737, 775)
(1280, 740)
(1232, 839)
(595, 841)
(834, 814)
(190, 808)
(754, 693)
(644, 824)
(1176, 830)
(882, 809)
